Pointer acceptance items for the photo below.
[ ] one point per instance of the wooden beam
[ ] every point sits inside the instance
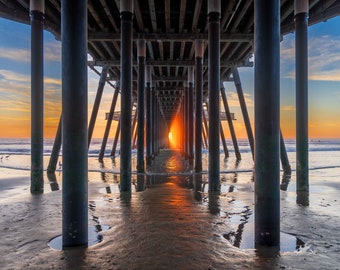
(138, 16)
(56, 4)
(94, 14)
(197, 13)
(314, 17)
(232, 16)
(153, 18)
(167, 15)
(177, 37)
(227, 13)
(182, 15)
(24, 4)
(109, 15)
(165, 63)
(241, 15)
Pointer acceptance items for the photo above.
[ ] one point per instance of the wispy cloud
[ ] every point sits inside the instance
(52, 52)
(11, 76)
(52, 81)
(323, 124)
(15, 77)
(19, 55)
(233, 100)
(288, 108)
(323, 58)
(15, 96)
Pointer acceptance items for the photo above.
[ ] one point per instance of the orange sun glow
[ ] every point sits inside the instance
(175, 133)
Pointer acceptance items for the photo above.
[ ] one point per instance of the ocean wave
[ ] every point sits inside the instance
(116, 170)
(325, 149)
(11, 151)
(15, 167)
(324, 167)
(23, 146)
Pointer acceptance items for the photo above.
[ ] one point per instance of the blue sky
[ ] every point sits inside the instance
(15, 71)
(324, 83)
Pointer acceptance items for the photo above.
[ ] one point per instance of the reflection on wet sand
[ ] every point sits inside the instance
(165, 227)
(238, 215)
(302, 197)
(94, 233)
(172, 223)
(175, 220)
(235, 237)
(163, 189)
(172, 212)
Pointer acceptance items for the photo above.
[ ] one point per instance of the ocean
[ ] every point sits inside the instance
(324, 158)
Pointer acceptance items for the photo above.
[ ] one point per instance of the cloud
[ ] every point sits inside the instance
(52, 52)
(288, 108)
(15, 96)
(19, 55)
(334, 75)
(14, 93)
(7, 75)
(19, 78)
(233, 100)
(14, 108)
(323, 58)
(52, 81)
(323, 124)
(287, 48)
(287, 60)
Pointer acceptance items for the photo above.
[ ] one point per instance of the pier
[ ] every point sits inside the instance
(167, 62)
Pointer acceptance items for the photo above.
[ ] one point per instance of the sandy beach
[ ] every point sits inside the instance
(173, 224)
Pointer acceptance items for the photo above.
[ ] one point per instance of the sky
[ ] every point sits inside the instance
(324, 84)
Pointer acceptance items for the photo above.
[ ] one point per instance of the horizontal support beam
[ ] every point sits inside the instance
(170, 63)
(170, 107)
(21, 16)
(169, 78)
(165, 88)
(177, 37)
(14, 14)
(169, 103)
(331, 12)
(169, 98)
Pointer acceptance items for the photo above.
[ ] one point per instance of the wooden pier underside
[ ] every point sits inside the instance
(170, 28)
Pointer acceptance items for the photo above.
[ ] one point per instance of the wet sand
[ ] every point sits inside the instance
(173, 224)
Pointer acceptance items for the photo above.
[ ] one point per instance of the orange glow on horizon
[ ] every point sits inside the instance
(319, 127)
